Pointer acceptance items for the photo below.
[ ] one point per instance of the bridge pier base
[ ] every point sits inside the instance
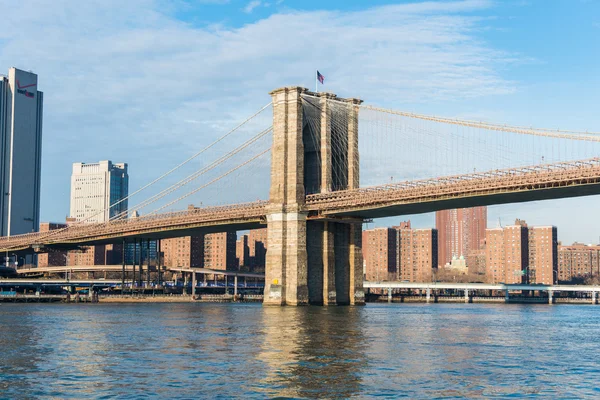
(593, 297)
(550, 297)
(506, 297)
(286, 269)
(428, 296)
(466, 295)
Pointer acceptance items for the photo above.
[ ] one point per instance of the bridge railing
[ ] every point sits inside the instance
(551, 175)
(83, 231)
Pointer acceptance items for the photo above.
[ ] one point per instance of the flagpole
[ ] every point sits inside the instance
(316, 81)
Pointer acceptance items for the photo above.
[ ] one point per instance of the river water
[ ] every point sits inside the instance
(249, 351)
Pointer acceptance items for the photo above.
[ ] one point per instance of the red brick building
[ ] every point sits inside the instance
(460, 232)
(379, 254)
(54, 258)
(416, 253)
(578, 261)
(543, 255)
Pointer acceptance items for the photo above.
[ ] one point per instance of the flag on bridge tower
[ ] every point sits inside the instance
(320, 78)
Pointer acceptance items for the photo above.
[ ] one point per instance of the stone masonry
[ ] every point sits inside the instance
(312, 261)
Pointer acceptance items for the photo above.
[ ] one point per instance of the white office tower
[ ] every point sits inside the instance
(20, 161)
(95, 187)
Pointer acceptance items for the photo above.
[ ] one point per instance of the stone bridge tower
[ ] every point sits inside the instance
(315, 150)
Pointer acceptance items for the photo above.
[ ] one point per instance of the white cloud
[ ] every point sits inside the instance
(251, 6)
(128, 82)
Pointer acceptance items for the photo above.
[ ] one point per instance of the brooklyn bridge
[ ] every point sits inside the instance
(321, 148)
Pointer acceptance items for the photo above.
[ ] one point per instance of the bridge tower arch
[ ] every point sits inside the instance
(315, 150)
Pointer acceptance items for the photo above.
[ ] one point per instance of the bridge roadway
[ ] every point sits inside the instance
(550, 181)
(542, 182)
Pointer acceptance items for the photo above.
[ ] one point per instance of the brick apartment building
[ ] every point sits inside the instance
(214, 250)
(460, 232)
(521, 254)
(251, 251)
(417, 252)
(400, 253)
(578, 261)
(379, 254)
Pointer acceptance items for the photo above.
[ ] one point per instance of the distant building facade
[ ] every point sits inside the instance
(379, 253)
(507, 254)
(257, 250)
(96, 188)
(251, 251)
(55, 258)
(187, 251)
(522, 254)
(543, 255)
(242, 252)
(578, 261)
(460, 232)
(146, 249)
(219, 251)
(416, 253)
(214, 251)
(21, 112)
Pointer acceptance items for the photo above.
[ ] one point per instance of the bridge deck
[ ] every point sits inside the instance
(551, 181)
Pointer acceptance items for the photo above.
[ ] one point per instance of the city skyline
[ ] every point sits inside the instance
(485, 74)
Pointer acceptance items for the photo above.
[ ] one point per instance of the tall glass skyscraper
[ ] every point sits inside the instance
(21, 109)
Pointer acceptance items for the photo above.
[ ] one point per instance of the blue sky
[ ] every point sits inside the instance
(148, 82)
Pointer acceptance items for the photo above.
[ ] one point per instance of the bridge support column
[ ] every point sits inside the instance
(550, 297)
(506, 297)
(286, 269)
(428, 295)
(235, 285)
(193, 284)
(389, 290)
(593, 297)
(466, 295)
(329, 292)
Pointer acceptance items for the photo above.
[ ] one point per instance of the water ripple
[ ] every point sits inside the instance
(247, 351)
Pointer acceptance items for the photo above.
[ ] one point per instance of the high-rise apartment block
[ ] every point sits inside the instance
(257, 249)
(219, 251)
(578, 261)
(96, 188)
(507, 253)
(379, 253)
(214, 251)
(400, 253)
(416, 253)
(242, 252)
(521, 254)
(251, 250)
(187, 251)
(21, 109)
(460, 232)
(543, 255)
